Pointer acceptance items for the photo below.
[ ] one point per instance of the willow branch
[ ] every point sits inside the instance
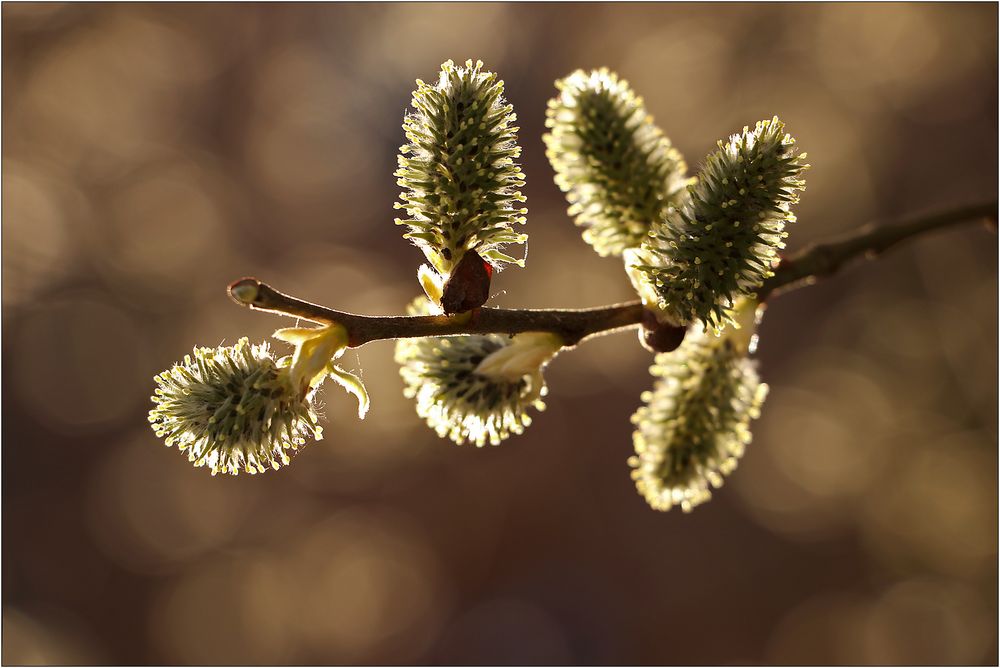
(574, 325)
(871, 241)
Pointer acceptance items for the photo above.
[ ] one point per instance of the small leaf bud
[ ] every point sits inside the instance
(660, 336)
(468, 286)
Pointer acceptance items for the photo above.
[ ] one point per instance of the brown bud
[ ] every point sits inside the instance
(468, 286)
(659, 337)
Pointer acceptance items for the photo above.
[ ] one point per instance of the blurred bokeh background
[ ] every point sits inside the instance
(154, 153)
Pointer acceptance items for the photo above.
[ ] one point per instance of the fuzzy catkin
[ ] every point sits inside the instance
(723, 242)
(456, 401)
(460, 183)
(694, 424)
(618, 170)
(233, 409)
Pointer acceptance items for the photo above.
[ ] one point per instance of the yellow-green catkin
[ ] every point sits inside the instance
(460, 182)
(618, 170)
(724, 241)
(694, 424)
(233, 409)
(477, 388)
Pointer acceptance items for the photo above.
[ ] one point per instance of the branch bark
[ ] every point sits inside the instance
(827, 258)
(794, 271)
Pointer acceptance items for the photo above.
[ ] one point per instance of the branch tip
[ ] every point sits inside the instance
(245, 291)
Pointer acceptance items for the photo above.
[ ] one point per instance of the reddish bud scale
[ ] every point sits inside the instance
(660, 337)
(468, 286)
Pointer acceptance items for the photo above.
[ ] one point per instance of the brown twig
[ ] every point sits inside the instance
(571, 325)
(824, 259)
(797, 270)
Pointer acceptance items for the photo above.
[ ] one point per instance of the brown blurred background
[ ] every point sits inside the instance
(154, 153)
